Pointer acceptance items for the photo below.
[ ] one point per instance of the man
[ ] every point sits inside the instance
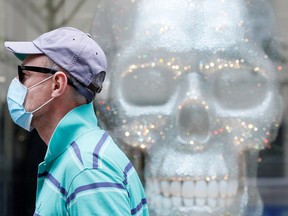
(84, 172)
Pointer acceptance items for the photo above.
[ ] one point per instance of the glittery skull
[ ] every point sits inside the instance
(191, 84)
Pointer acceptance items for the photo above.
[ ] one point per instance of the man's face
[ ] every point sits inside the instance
(39, 94)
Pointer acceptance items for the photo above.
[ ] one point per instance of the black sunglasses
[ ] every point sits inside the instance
(34, 69)
(39, 70)
(78, 86)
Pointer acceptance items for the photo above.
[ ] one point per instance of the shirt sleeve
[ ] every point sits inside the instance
(94, 192)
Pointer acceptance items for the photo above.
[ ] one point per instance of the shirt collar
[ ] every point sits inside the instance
(72, 125)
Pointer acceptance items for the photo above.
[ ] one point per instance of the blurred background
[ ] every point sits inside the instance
(20, 152)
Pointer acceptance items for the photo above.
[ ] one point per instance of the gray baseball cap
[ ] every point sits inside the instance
(70, 48)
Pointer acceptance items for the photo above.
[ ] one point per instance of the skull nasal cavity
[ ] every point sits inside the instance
(193, 123)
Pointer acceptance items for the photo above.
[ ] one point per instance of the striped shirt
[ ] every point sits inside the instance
(85, 173)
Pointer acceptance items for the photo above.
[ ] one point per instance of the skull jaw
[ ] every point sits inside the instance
(212, 185)
(245, 202)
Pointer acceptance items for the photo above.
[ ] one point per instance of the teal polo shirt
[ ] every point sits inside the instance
(85, 173)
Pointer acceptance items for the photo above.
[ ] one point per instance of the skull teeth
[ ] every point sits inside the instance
(212, 193)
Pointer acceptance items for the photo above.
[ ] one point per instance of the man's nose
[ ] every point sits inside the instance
(193, 121)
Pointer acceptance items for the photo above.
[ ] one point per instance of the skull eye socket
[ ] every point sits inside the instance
(148, 87)
(240, 89)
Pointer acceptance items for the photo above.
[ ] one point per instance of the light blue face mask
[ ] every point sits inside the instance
(15, 100)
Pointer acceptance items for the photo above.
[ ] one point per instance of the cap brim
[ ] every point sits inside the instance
(22, 49)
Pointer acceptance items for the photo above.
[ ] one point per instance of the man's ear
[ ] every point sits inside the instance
(59, 84)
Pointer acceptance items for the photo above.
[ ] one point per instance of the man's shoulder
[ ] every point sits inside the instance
(96, 148)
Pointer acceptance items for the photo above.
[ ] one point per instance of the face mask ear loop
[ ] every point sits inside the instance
(40, 82)
(46, 101)
(42, 105)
